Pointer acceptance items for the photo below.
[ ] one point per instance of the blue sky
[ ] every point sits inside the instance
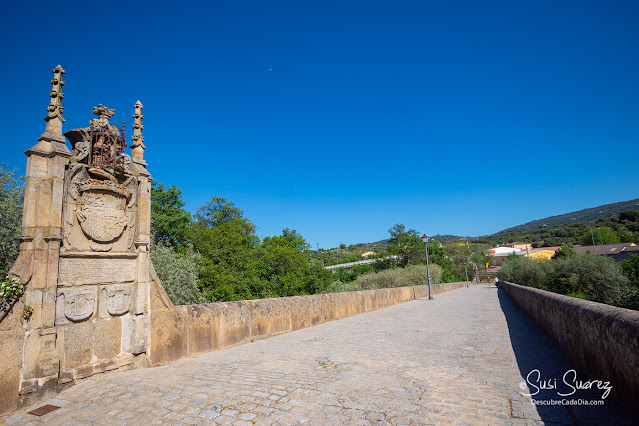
(342, 118)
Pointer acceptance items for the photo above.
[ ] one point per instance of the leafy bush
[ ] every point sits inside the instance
(599, 278)
(524, 271)
(178, 273)
(630, 268)
(409, 276)
(594, 278)
(10, 289)
(11, 195)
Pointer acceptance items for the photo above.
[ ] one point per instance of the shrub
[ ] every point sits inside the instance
(592, 277)
(599, 278)
(409, 276)
(178, 273)
(524, 271)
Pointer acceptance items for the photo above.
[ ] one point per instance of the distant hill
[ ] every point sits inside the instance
(381, 242)
(444, 239)
(552, 230)
(585, 215)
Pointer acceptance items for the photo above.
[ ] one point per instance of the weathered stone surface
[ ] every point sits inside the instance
(279, 315)
(339, 302)
(348, 303)
(158, 296)
(118, 298)
(300, 312)
(316, 305)
(10, 362)
(85, 257)
(89, 270)
(235, 326)
(373, 294)
(204, 326)
(259, 318)
(602, 340)
(108, 336)
(76, 304)
(367, 301)
(78, 344)
(169, 335)
(455, 360)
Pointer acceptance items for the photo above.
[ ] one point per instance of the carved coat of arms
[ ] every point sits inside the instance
(102, 206)
(102, 213)
(79, 304)
(100, 188)
(118, 299)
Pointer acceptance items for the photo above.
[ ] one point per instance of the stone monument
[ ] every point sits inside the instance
(84, 256)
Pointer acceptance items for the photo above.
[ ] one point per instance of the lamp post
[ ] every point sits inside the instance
(430, 290)
(466, 270)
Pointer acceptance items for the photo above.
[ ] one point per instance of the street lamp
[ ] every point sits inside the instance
(465, 269)
(430, 290)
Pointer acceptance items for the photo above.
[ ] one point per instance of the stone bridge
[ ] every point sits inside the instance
(462, 358)
(94, 316)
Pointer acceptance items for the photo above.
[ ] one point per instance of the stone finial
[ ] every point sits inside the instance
(54, 118)
(103, 112)
(137, 147)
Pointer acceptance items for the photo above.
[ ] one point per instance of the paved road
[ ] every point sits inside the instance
(457, 359)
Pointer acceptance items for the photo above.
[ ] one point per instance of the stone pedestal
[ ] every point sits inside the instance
(84, 255)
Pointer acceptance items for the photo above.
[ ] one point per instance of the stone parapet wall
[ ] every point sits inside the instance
(602, 340)
(183, 331)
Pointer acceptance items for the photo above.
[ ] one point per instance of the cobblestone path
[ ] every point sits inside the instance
(457, 359)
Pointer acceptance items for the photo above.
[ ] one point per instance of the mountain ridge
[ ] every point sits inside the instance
(584, 215)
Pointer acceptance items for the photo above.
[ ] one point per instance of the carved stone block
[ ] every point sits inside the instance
(78, 270)
(115, 299)
(135, 329)
(76, 305)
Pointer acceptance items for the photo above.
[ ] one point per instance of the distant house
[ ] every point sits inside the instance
(619, 251)
(542, 253)
(519, 245)
(500, 254)
(368, 254)
(624, 253)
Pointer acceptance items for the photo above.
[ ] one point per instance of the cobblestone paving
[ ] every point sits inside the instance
(457, 359)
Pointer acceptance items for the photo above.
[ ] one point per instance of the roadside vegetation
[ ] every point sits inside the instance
(215, 255)
(232, 263)
(11, 196)
(586, 276)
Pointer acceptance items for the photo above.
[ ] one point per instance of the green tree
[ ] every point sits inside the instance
(566, 250)
(627, 236)
(437, 255)
(524, 271)
(595, 278)
(405, 244)
(178, 273)
(218, 210)
(604, 233)
(227, 268)
(289, 238)
(284, 268)
(598, 278)
(11, 197)
(630, 268)
(170, 223)
(285, 271)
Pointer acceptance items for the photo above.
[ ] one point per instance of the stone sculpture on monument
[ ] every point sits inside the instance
(84, 256)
